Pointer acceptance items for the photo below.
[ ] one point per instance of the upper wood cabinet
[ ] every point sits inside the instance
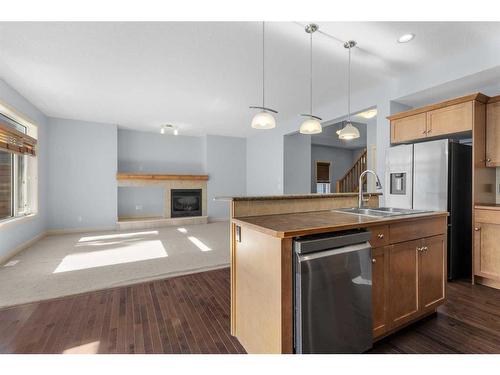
(493, 132)
(449, 120)
(436, 120)
(409, 128)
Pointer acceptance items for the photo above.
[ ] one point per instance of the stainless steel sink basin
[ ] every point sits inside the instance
(380, 211)
(401, 211)
(365, 212)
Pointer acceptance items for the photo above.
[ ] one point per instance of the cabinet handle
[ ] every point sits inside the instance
(424, 132)
(477, 229)
(380, 236)
(429, 131)
(425, 248)
(488, 160)
(419, 248)
(374, 260)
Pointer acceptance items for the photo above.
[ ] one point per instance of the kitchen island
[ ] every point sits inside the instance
(408, 270)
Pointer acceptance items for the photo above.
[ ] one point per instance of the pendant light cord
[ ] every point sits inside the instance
(311, 73)
(349, 88)
(263, 64)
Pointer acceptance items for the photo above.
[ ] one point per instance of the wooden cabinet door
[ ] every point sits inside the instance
(403, 282)
(449, 120)
(380, 280)
(493, 134)
(408, 128)
(432, 272)
(487, 250)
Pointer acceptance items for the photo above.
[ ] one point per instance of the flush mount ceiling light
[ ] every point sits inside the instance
(312, 124)
(405, 38)
(368, 114)
(169, 128)
(349, 131)
(264, 119)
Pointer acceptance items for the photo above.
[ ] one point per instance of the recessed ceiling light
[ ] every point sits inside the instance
(405, 38)
(370, 113)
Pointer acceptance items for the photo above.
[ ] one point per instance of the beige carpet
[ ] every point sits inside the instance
(69, 264)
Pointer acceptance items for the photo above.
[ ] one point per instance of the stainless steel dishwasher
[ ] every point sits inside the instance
(333, 293)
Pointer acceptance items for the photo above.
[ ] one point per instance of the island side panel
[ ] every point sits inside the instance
(262, 309)
(256, 207)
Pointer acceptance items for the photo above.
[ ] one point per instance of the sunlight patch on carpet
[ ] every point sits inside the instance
(144, 250)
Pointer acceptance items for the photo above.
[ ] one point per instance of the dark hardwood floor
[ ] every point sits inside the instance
(186, 314)
(469, 322)
(190, 314)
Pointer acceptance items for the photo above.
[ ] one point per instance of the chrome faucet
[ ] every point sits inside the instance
(360, 194)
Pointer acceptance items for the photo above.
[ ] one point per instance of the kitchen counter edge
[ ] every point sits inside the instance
(370, 221)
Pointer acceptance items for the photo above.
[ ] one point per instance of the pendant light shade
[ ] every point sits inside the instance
(349, 131)
(311, 124)
(264, 119)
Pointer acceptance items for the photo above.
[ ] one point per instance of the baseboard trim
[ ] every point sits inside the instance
(217, 219)
(52, 232)
(4, 259)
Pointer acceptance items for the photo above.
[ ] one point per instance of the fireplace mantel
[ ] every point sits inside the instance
(161, 177)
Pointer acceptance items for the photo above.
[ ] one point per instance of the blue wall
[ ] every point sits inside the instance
(13, 235)
(82, 174)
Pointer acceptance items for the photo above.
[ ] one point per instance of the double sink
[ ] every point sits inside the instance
(380, 212)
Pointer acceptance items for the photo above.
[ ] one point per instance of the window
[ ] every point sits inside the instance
(18, 168)
(323, 177)
(6, 193)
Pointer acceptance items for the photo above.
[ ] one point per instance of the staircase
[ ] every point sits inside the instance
(349, 183)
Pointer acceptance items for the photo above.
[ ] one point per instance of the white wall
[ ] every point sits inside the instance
(222, 158)
(297, 164)
(13, 235)
(265, 163)
(82, 174)
(226, 169)
(147, 152)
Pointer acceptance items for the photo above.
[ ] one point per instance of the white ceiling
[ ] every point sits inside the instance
(202, 76)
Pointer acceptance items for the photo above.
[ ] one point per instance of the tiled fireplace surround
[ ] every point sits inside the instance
(167, 182)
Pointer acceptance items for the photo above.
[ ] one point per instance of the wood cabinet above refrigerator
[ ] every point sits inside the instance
(493, 132)
(450, 117)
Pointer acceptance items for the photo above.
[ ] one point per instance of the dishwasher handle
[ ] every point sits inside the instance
(309, 244)
(327, 253)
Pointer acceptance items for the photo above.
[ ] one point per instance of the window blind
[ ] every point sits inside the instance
(14, 141)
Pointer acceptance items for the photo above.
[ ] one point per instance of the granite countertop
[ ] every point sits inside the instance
(305, 223)
(292, 196)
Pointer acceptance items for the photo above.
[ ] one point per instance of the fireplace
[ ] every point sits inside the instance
(185, 202)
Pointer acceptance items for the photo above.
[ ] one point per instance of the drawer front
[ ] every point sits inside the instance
(415, 229)
(487, 216)
(380, 236)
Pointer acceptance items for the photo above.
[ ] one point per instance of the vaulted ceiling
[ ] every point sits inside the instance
(202, 76)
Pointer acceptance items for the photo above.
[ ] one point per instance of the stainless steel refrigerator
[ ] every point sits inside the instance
(436, 175)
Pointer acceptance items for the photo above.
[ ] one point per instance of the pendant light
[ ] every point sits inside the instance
(264, 119)
(312, 124)
(349, 131)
